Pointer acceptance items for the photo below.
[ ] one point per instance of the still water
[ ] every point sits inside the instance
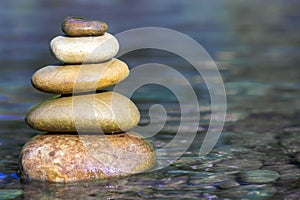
(255, 45)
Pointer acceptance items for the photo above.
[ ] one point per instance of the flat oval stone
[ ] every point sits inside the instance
(228, 184)
(77, 27)
(107, 112)
(66, 79)
(66, 157)
(259, 176)
(84, 49)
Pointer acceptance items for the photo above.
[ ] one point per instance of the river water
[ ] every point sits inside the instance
(256, 46)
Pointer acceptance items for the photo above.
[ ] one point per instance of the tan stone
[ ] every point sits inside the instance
(111, 111)
(84, 49)
(66, 158)
(66, 79)
(77, 27)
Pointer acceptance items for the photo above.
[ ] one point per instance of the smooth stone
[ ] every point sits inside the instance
(77, 27)
(111, 111)
(248, 192)
(65, 79)
(259, 176)
(228, 184)
(84, 49)
(293, 195)
(239, 164)
(10, 193)
(66, 158)
(290, 141)
(292, 174)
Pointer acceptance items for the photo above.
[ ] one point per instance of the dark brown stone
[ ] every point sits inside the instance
(77, 27)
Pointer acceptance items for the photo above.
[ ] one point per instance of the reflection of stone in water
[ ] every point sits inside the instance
(121, 187)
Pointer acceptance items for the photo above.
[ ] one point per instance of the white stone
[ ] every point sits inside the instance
(84, 49)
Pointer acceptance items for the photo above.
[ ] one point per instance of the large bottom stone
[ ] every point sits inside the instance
(66, 158)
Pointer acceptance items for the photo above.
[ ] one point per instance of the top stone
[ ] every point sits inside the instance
(78, 27)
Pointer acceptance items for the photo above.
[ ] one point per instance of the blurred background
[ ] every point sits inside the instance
(254, 40)
(256, 45)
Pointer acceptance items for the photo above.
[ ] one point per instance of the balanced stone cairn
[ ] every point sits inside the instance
(72, 149)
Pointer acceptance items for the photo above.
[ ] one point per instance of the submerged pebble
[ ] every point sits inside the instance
(259, 176)
(248, 192)
(238, 164)
(290, 141)
(229, 184)
(10, 193)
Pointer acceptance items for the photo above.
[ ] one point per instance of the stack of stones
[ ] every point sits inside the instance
(72, 149)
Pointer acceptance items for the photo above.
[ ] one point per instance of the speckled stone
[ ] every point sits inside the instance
(259, 176)
(61, 79)
(73, 50)
(66, 157)
(111, 111)
(76, 27)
